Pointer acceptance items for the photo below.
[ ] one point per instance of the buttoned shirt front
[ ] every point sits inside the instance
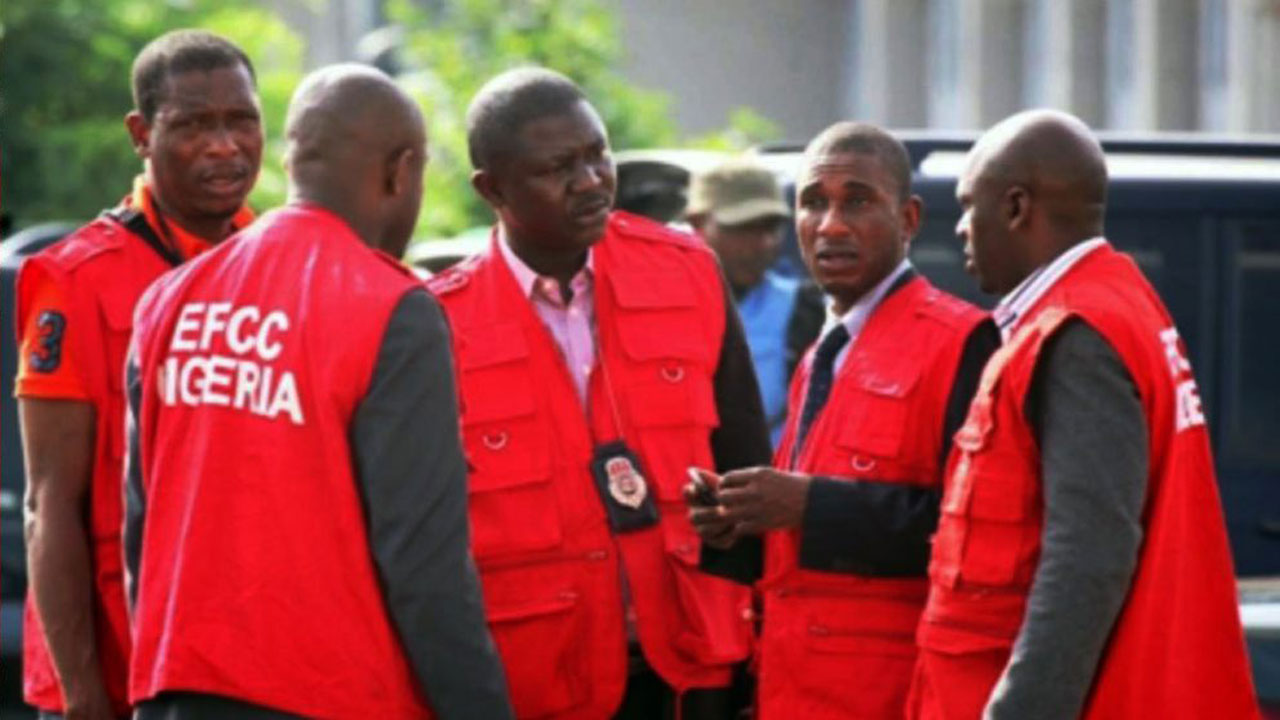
(568, 316)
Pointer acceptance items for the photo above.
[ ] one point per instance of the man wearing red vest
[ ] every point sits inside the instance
(598, 358)
(196, 127)
(852, 498)
(1081, 565)
(296, 533)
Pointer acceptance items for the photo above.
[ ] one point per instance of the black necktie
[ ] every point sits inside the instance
(821, 375)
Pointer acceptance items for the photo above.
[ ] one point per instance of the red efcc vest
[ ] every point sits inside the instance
(548, 562)
(103, 268)
(256, 581)
(839, 645)
(1177, 650)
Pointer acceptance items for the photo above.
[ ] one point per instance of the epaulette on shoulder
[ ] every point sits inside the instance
(452, 279)
(99, 236)
(949, 309)
(395, 265)
(643, 228)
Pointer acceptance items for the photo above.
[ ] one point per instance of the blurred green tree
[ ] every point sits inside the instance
(64, 91)
(451, 47)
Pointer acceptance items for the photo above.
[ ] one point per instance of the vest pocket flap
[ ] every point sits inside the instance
(650, 291)
(482, 346)
(505, 456)
(495, 394)
(661, 334)
(562, 602)
(896, 383)
(877, 420)
(997, 496)
(681, 397)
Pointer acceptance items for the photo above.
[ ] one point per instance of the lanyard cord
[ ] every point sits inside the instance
(604, 377)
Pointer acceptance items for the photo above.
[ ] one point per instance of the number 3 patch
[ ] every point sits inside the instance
(47, 355)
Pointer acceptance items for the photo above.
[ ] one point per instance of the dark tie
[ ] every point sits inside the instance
(821, 375)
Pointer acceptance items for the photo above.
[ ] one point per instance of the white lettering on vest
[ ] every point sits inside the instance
(1189, 413)
(187, 323)
(237, 345)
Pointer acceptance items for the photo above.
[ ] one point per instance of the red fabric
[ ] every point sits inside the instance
(837, 645)
(1177, 650)
(549, 565)
(256, 580)
(102, 269)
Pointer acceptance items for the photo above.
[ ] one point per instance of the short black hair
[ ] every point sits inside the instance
(177, 52)
(866, 139)
(510, 101)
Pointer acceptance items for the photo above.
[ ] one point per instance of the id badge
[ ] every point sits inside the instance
(627, 497)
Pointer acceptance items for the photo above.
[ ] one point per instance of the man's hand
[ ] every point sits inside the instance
(705, 512)
(754, 500)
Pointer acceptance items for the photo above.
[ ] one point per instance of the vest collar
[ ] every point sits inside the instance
(856, 317)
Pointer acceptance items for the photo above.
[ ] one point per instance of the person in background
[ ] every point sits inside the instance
(599, 357)
(1081, 565)
(738, 209)
(852, 498)
(196, 126)
(295, 532)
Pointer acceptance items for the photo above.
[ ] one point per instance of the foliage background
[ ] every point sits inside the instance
(64, 90)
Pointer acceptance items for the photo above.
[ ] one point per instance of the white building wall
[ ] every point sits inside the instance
(953, 64)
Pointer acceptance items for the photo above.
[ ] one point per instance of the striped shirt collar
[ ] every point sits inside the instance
(1014, 305)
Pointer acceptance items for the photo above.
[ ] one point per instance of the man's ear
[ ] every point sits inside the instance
(1017, 206)
(398, 174)
(139, 133)
(912, 211)
(486, 184)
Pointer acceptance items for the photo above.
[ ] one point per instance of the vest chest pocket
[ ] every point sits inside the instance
(995, 531)
(873, 427)
(538, 623)
(511, 499)
(670, 419)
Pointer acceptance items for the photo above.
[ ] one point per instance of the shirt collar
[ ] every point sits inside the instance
(1028, 292)
(187, 244)
(529, 280)
(856, 317)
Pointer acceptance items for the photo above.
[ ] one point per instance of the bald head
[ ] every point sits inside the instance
(355, 142)
(1057, 158)
(1034, 185)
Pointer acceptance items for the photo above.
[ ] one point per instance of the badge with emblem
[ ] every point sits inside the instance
(626, 484)
(623, 488)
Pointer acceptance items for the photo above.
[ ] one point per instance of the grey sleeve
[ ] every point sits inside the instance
(1088, 419)
(412, 478)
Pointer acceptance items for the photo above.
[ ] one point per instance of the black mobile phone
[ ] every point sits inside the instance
(703, 493)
